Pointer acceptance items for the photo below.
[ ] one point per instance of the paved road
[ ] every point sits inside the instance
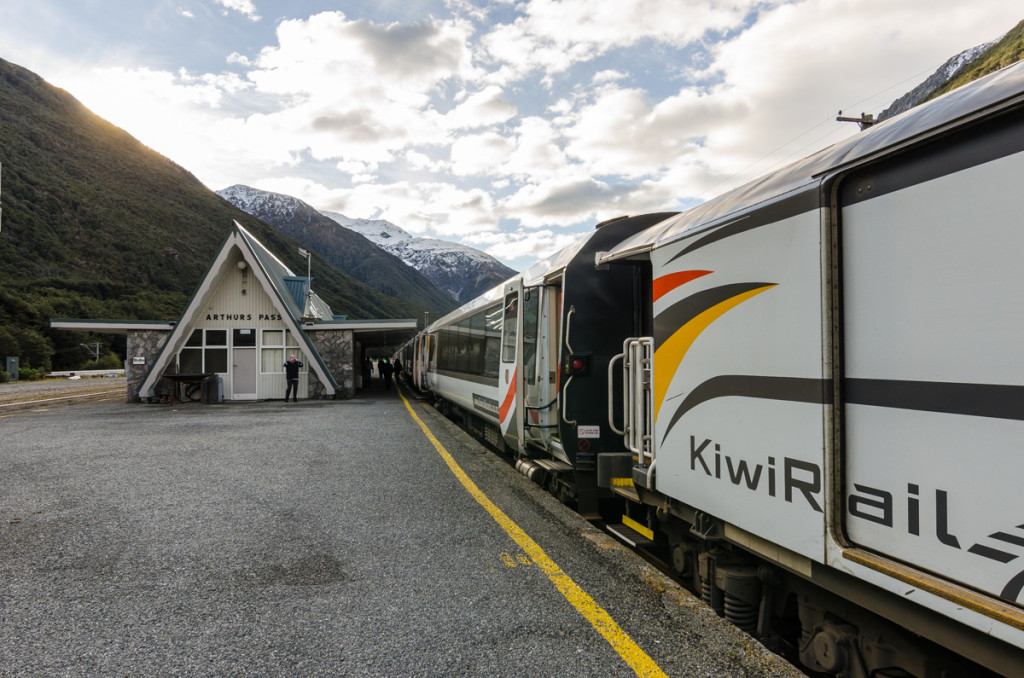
(320, 538)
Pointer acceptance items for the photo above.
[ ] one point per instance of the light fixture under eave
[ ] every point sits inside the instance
(241, 265)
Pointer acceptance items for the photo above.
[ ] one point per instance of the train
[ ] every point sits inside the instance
(807, 392)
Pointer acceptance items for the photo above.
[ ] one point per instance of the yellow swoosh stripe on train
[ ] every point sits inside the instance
(697, 312)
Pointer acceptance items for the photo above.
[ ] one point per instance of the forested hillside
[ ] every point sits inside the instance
(96, 225)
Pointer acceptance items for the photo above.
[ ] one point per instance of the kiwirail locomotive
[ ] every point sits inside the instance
(809, 391)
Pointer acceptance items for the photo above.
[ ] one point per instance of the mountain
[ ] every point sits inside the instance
(961, 69)
(1007, 50)
(347, 250)
(463, 272)
(97, 225)
(936, 80)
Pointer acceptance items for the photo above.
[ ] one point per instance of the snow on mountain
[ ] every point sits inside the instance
(941, 76)
(377, 231)
(343, 248)
(254, 201)
(461, 271)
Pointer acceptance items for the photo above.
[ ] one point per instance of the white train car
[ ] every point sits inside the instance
(826, 421)
(809, 391)
(515, 363)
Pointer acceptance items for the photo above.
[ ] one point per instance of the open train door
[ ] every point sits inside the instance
(510, 377)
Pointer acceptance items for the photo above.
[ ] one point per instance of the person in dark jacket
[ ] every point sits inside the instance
(367, 371)
(291, 374)
(386, 371)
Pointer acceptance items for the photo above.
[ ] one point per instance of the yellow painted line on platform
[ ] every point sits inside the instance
(630, 652)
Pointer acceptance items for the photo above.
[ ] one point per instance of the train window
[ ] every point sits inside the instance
(530, 317)
(463, 357)
(508, 330)
(492, 341)
(447, 342)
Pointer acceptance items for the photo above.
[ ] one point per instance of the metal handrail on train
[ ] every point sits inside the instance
(565, 389)
(641, 359)
(611, 388)
(637, 397)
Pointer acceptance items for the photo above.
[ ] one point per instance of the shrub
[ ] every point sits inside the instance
(29, 374)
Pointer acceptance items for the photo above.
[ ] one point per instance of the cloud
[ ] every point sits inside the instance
(329, 56)
(476, 154)
(241, 6)
(564, 201)
(515, 123)
(481, 109)
(524, 246)
(538, 40)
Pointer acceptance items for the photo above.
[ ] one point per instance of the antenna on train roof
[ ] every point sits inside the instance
(865, 120)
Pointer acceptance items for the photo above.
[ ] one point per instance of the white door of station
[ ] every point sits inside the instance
(243, 364)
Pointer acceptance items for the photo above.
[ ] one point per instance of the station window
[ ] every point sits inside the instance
(205, 351)
(277, 345)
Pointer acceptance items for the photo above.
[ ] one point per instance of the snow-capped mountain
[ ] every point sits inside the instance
(459, 270)
(940, 77)
(341, 247)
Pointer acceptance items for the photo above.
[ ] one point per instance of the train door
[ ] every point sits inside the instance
(430, 369)
(419, 364)
(540, 378)
(510, 376)
(932, 369)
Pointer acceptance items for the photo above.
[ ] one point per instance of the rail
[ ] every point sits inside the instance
(84, 396)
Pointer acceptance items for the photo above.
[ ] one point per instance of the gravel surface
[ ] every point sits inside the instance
(320, 538)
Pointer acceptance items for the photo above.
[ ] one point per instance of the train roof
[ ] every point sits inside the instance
(981, 98)
(536, 274)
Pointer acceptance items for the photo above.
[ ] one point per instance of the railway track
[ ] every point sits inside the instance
(31, 395)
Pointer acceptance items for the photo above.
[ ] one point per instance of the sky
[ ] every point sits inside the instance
(513, 126)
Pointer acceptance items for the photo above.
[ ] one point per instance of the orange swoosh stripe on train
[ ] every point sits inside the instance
(691, 316)
(666, 283)
(510, 398)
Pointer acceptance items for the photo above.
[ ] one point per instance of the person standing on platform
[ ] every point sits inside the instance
(291, 374)
(386, 372)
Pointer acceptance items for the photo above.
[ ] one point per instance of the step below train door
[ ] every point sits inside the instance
(510, 372)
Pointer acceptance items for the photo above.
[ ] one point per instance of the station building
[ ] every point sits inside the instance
(248, 315)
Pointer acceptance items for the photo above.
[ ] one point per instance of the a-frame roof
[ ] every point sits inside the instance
(272, 274)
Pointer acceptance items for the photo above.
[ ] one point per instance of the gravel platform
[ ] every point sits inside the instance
(318, 538)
